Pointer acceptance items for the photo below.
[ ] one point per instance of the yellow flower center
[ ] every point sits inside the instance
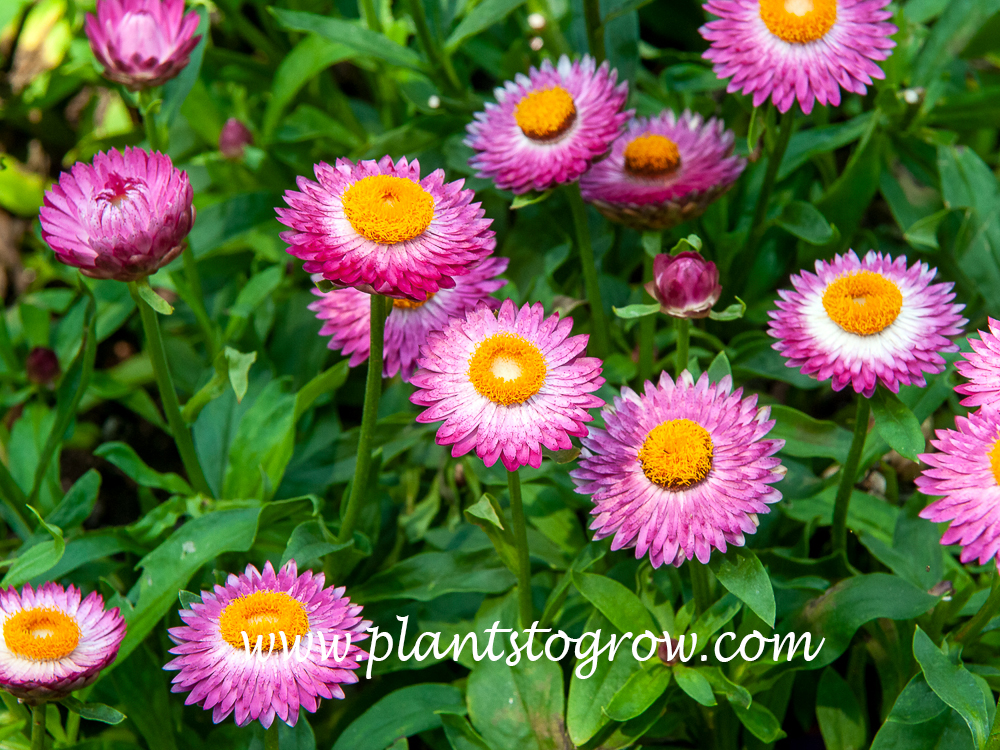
(864, 303)
(412, 304)
(676, 454)
(507, 369)
(41, 634)
(995, 461)
(799, 21)
(263, 613)
(388, 209)
(651, 155)
(546, 114)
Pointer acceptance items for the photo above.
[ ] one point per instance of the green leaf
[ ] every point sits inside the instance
(919, 720)
(841, 720)
(327, 381)
(806, 144)
(186, 598)
(758, 124)
(640, 692)
(480, 18)
(953, 684)
(805, 222)
(722, 685)
(896, 424)
(487, 515)
(529, 199)
(176, 90)
(78, 503)
(239, 370)
(692, 682)
(36, 559)
(807, 437)
(125, 458)
(714, 619)
(741, 573)
(94, 711)
(429, 575)
(623, 608)
(259, 287)
(734, 312)
(719, 368)
(310, 540)
(636, 311)
(460, 734)
(402, 713)
(691, 243)
(760, 721)
(922, 234)
(222, 222)
(21, 191)
(153, 299)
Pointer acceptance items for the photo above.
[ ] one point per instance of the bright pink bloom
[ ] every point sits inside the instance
(234, 139)
(122, 218)
(686, 285)
(982, 368)
(142, 43)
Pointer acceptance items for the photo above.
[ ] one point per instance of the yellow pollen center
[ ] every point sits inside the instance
(546, 114)
(676, 454)
(651, 155)
(388, 209)
(263, 613)
(41, 634)
(995, 461)
(412, 304)
(863, 303)
(799, 21)
(507, 369)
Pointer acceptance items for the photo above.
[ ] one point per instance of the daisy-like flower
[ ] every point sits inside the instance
(965, 474)
(798, 49)
(507, 384)
(377, 225)
(861, 322)
(266, 644)
(982, 368)
(55, 641)
(680, 469)
(347, 313)
(547, 126)
(663, 171)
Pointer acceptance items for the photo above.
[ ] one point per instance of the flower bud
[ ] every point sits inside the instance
(686, 285)
(234, 138)
(42, 366)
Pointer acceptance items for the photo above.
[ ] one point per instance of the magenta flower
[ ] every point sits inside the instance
(798, 49)
(142, 43)
(378, 226)
(548, 126)
(265, 645)
(347, 316)
(54, 641)
(680, 469)
(982, 368)
(42, 366)
(122, 218)
(234, 139)
(965, 474)
(507, 384)
(686, 285)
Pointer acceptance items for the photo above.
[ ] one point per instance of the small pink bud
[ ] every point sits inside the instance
(664, 653)
(686, 285)
(42, 366)
(234, 138)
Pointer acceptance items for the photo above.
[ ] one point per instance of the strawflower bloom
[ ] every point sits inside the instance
(123, 218)
(546, 127)
(680, 469)
(378, 226)
(142, 43)
(266, 644)
(686, 285)
(347, 317)
(965, 474)
(798, 49)
(234, 138)
(663, 171)
(507, 384)
(861, 322)
(982, 368)
(55, 641)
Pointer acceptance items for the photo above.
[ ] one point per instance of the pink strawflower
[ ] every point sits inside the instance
(546, 127)
(965, 474)
(798, 49)
(861, 322)
(686, 285)
(265, 645)
(234, 138)
(347, 313)
(981, 368)
(54, 641)
(680, 469)
(507, 384)
(378, 226)
(142, 43)
(122, 218)
(663, 171)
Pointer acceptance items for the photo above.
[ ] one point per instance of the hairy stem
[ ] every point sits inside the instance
(599, 323)
(849, 474)
(525, 608)
(683, 326)
(38, 726)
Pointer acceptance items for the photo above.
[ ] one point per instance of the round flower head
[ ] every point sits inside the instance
(798, 49)
(507, 384)
(347, 313)
(54, 641)
(965, 474)
(982, 368)
(686, 285)
(861, 322)
(663, 171)
(547, 126)
(142, 43)
(377, 225)
(266, 645)
(122, 218)
(680, 470)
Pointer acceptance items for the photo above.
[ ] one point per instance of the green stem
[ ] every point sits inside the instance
(146, 99)
(971, 630)
(196, 301)
(599, 324)
(38, 726)
(271, 739)
(370, 14)
(373, 392)
(701, 587)
(525, 608)
(683, 326)
(595, 29)
(171, 408)
(759, 224)
(652, 242)
(438, 59)
(849, 474)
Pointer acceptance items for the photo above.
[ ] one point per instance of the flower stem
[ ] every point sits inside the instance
(196, 302)
(271, 739)
(759, 224)
(848, 475)
(38, 726)
(599, 324)
(683, 326)
(146, 99)
(701, 587)
(971, 630)
(171, 409)
(595, 29)
(373, 392)
(439, 60)
(525, 608)
(368, 12)
(652, 242)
